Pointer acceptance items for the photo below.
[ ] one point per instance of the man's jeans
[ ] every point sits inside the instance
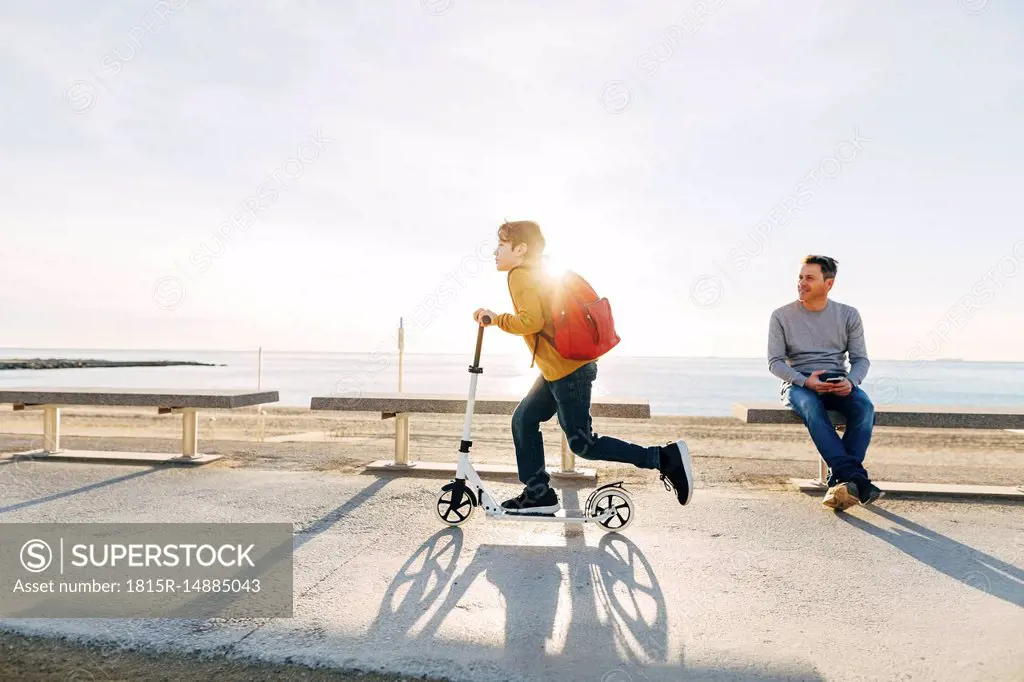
(569, 398)
(845, 457)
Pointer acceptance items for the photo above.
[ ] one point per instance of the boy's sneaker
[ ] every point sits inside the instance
(675, 465)
(532, 503)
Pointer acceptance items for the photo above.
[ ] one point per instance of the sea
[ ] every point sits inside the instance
(673, 386)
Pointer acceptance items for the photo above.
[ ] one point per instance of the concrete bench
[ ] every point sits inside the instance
(906, 416)
(402, 405)
(186, 403)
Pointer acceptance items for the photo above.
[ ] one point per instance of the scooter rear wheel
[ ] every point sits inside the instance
(452, 515)
(622, 504)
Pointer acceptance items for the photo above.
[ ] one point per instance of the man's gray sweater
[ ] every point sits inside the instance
(801, 341)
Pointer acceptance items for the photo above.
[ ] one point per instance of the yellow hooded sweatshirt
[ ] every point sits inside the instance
(529, 289)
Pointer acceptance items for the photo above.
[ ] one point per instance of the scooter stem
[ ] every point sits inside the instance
(475, 371)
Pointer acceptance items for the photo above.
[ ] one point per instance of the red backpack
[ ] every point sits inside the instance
(584, 326)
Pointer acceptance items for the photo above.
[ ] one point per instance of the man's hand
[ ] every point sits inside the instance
(842, 388)
(815, 384)
(480, 312)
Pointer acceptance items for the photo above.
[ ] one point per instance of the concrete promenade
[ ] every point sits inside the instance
(741, 584)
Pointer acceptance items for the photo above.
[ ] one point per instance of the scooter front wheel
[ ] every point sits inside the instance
(617, 504)
(452, 513)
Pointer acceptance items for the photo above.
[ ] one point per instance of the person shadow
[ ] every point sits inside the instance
(560, 604)
(976, 569)
(568, 610)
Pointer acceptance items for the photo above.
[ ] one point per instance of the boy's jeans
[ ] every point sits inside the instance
(569, 398)
(845, 457)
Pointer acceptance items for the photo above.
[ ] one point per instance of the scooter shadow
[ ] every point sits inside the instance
(598, 605)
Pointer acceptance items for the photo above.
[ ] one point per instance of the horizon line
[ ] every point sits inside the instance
(429, 353)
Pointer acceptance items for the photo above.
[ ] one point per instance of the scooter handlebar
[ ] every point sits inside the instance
(486, 319)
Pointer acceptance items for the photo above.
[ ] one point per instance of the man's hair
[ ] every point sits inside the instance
(523, 232)
(829, 266)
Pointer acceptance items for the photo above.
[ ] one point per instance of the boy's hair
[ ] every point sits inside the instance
(829, 266)
(524, 232)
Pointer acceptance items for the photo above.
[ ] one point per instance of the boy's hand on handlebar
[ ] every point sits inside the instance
(481, 313)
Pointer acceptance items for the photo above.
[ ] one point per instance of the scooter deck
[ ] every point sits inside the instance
(562, 515)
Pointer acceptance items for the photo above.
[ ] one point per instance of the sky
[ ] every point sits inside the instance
(183, 174)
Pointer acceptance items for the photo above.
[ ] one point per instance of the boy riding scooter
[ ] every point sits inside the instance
(564, 387)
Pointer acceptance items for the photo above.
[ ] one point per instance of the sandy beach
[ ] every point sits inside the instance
(726, 451)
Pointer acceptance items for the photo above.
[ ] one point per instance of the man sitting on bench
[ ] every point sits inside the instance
(808, 341)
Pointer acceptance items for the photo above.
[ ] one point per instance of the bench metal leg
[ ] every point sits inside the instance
(189, 432)
(568, 457)
(822, 472)
(568, 469)
(51, 429)
(402, 439)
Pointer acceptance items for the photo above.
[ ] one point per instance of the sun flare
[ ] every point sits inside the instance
(554, 266)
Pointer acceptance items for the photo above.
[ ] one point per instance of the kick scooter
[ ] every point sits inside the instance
(610, 506)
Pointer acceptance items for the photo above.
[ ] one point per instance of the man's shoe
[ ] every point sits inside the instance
(842, 496)
(530, 503)
(869, 492)
(830, 500)
(676, 466)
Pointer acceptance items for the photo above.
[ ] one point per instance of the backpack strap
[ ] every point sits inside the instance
(543, 334)
(544, 315)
